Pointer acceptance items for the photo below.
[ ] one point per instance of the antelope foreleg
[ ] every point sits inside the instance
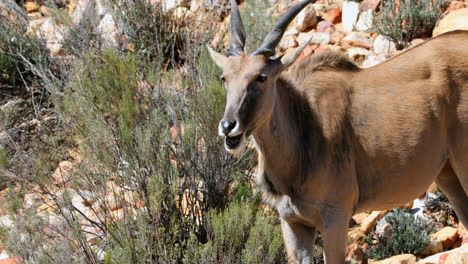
(299, 240)
(334, 235)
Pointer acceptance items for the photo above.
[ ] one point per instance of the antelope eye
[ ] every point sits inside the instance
(261, 78)
(221, 78)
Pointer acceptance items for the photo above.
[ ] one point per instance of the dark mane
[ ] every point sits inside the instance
(324, 61)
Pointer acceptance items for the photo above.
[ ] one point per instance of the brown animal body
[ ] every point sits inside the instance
(335, 140)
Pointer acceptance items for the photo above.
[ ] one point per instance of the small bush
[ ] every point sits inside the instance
(156, 36)
(402, 21)
(407, 234)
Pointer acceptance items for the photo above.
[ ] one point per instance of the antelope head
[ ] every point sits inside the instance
(250, 80)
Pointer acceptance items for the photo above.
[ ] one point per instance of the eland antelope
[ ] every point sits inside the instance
(334, 139)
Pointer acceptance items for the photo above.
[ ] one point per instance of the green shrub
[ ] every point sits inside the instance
(151, 196)
(241, 233)
(408, 234)
(155, 36)
(402, 21)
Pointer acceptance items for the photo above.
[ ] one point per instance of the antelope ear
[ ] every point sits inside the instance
(218, 58)
(291, 56)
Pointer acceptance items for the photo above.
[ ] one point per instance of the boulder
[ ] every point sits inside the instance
(370, 5)
(320, 9)
(31, 6)
(359, 218)
(457, 258)
(287, 42)
(315, 38)
(108, 29)
(383, 45)
(357, 40)
(325, 26)
(354, 255)
(349, 15)
(371, 221)
(357, 52)
(336, 37)
(365, 21)
(53, 36)
(333, 16)
(455, 20)
(8, 260)
(399, 259)
(455, 5)
(435, 246)
(306, 18)
(372, 60)
(447, 235)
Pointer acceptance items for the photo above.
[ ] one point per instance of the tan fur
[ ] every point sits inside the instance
(335, 140)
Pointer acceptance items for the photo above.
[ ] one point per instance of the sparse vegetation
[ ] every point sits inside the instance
(402, 21)
(150, 181)
(407, 234)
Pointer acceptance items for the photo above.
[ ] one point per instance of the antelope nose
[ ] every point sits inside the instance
(227, 126)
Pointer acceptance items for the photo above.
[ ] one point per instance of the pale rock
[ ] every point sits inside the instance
(108, 30)
(287, 42)
(6, 221)
(359, 218)
(442, 257)
(181, 12)
(455, 5)
(365, 21)
(435, 246)
(399, 259)
(325, 26)
(455, 20)
(355, 234)
(171, 4)
(447, 235)
(383, 229)
(63, 173)
(370, 5)
(418, 207)
(320, 9)
(13, 12)
(414, 42)
(34, 15)
(77, 10)
(359, 40)
(30, 200)
(31, 6)
(350, 15)
(354, 255)
(457, 258)
(4, 257)
(356, 52)
(336, 37)
(382, 45)
(371, 221)
(291, 32)
(315, 38)
(372, 60)
(306, 18)
(195, 5)
(53, 36)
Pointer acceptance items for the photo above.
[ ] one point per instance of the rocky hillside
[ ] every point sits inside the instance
(356, 28)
